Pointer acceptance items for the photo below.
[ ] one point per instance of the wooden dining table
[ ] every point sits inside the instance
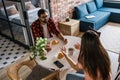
(52, 55)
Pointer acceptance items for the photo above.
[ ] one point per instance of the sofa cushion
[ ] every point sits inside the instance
(91, 6)
(99, 20)
(115, 13)
(98, 15)
(99, 3)
(7, 3)
(29, 5)
(81, 11)
(11, 10)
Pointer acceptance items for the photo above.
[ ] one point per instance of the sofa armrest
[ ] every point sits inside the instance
(75, 76)
(85, 24)
(112, 4)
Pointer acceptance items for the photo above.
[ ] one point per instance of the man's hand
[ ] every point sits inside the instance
(62, 38)
(65, 41)
(48, 47)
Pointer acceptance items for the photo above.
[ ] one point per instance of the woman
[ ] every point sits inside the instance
(93, 58)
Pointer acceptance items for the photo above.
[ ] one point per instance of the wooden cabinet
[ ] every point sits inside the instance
(69, 28)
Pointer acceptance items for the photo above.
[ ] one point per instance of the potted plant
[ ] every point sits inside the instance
(38, 48)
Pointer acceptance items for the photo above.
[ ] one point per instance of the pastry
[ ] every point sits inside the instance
(60, 55)
(54, 42)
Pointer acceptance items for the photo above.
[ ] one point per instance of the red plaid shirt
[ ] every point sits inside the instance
(37, 29)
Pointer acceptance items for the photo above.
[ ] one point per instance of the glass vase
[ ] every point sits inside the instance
(43, 55)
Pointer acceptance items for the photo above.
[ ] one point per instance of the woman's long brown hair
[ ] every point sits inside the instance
(94, 57)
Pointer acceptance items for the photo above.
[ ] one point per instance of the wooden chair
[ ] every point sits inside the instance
(117, 77)
(45, 74)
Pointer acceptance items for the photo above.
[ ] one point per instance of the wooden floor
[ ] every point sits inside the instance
(3, 75)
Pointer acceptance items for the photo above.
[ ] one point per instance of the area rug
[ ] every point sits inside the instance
(10, 52)
(110, 37)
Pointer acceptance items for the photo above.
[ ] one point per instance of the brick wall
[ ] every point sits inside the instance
(63, 8)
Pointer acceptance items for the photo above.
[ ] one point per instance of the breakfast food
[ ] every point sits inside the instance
(54, 42)
(60, 55)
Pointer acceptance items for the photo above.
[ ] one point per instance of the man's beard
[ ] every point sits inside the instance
(45, 21)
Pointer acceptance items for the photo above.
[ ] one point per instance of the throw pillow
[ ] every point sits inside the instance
(11, 10)
(99, 3)
(29, 5)
(81, 11)
(91, 7)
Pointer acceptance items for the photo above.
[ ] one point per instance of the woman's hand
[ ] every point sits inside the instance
(63, 50)
(69, 60)
(77, 46)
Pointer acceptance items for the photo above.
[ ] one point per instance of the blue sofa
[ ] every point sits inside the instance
(103, 13)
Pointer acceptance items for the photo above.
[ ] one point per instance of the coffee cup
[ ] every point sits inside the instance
(70, 51)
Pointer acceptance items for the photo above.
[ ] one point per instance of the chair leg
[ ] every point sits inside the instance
(118, 67)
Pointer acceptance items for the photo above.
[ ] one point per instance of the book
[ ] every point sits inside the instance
(90, 16)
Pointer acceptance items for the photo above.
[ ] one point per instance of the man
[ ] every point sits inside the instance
(45, 27)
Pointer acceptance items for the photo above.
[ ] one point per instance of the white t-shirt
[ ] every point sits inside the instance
(46, 32)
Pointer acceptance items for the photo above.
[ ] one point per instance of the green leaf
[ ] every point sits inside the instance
(39, 47)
